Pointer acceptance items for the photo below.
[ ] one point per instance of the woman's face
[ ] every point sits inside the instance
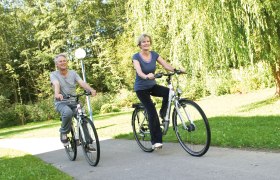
(145, 43)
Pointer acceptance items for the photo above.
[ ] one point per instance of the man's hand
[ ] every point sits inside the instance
(58, 97)
(93, 92)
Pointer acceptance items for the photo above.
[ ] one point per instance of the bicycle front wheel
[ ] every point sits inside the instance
(191, 127)
(140, 126)
(90, 142)
(71, 149)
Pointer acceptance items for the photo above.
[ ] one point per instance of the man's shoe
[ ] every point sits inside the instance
(90, 147)
(157, 146)
(64, 139)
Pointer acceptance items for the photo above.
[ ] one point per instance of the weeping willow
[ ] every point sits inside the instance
(208, 36)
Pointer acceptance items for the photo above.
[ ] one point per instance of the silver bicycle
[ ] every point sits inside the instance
(189, 122)
(83, 133)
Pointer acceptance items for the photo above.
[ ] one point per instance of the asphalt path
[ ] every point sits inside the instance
(124, 160)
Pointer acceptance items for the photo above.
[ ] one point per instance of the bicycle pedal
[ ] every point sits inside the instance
(78, 143)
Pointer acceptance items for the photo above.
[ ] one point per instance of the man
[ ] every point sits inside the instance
(64, 82)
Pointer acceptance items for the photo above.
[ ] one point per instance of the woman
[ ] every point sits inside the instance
(145, 85)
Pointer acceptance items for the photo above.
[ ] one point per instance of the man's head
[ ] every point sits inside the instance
(61, 61)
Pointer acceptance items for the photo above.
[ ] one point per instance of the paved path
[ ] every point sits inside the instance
(123, 160)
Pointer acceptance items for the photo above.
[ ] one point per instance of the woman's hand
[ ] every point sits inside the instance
(151, 76)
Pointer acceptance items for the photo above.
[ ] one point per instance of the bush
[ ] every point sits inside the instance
(106, 108)
(8, 118)
(98, 101)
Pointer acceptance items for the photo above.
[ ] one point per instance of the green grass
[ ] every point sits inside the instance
(18, 165)
(30, 127)
(254, 132)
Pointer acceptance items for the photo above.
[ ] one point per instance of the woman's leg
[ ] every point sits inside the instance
(161, 91)
(154, 125)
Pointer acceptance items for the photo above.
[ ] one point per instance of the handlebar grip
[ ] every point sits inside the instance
(87, 92)
(158, 75)
(178, 71)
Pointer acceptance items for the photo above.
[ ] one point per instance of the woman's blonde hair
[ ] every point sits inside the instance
(142, 37)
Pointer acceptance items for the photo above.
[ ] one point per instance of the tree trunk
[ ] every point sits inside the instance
(276, 74)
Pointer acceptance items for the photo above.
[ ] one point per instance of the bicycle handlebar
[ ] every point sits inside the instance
(160, 74)
(85, 93)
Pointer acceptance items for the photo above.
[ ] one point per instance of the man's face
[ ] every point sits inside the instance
(61, 63)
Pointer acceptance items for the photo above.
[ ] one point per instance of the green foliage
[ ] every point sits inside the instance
(20, 114)
(8, 118)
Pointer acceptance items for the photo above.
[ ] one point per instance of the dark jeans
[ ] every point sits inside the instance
(145, 97)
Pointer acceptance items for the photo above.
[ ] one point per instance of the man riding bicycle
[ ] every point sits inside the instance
(64, 82)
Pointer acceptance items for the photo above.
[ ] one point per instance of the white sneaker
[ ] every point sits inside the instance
(157, 146)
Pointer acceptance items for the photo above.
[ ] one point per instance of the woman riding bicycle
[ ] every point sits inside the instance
(64, 82)
(145, 85)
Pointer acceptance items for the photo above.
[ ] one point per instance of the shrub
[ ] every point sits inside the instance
(106, 108)
(8, 118)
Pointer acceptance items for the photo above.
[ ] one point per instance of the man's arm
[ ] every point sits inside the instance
(87, 87)
(56, 87)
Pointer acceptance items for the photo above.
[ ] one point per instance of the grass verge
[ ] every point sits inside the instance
(18, 165)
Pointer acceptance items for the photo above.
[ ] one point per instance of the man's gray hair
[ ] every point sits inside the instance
(59, 55)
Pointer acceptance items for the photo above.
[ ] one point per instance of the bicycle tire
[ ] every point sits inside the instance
(71, 149)
(141, 131)
(90, 145)
(195, 139)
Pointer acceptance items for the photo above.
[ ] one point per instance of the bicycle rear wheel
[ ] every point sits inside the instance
(140, 126)
(194, 138)
(90, 144)
(71, 149)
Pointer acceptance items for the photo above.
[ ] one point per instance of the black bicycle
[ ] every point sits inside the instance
(190, 123)
(83, 133)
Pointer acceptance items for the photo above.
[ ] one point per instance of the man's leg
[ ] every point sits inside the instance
(66, 113)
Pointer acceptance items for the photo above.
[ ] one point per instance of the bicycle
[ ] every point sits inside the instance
(83, 133)
(190, 123)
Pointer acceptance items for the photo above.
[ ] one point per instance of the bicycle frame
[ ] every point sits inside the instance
(80, 114)
(174, 98)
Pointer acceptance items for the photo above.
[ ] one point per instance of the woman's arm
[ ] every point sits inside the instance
(139, 71)
(165, 64)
